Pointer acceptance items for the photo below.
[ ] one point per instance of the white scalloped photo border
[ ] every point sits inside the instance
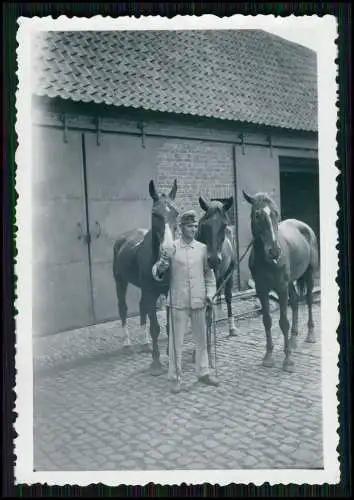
(325, 30)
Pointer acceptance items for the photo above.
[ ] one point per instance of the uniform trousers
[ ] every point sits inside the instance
(178, 327)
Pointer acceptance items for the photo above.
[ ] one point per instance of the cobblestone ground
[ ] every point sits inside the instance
(98, 408)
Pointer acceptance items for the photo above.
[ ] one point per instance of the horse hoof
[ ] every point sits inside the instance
(156, 369)
(310, 339)
(268, 362)
(288, 366)
(145, 348)
(234, 332)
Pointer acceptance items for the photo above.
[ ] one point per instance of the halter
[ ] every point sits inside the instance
(276, 261)
(275, 241)
(156, 214)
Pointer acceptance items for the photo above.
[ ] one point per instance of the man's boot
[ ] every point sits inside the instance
(175, 387)
(209, 380)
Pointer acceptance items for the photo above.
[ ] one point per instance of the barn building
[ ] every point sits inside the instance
(220, 111)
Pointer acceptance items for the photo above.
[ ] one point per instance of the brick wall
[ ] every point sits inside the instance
(201, 168)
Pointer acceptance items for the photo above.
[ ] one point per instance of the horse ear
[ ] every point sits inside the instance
(228, 204)
(152, 191)
(248, 198)
(173, 191)
(203, 204)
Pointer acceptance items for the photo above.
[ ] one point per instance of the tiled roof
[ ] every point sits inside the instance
(246, 75)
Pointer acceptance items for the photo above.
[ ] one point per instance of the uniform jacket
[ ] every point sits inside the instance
(192, 280)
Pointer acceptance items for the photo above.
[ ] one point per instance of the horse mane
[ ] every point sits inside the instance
(265, 198)
(155, 239)
(229, 231)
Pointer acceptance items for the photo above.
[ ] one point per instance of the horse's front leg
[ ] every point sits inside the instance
(156, 367)
(217, 300)
(268, 360)
(233, 330)
(284, 324)
(145, 336)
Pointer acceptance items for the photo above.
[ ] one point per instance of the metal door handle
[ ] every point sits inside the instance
(82, 235)
(97, 230)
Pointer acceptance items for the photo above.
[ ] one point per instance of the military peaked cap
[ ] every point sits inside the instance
(189, 217)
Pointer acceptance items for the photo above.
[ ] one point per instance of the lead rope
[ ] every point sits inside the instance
(214, 323)
(245, 252)
(212, 320)
(178, 374)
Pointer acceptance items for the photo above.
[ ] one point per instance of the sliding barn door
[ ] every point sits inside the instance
(257, 170)
(118, 173)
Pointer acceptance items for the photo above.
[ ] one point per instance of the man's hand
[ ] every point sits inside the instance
(163, 263)
(209, 301)
(162, 266)
(167, 253)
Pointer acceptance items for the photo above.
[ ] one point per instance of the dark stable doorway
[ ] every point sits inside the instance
(299, 194)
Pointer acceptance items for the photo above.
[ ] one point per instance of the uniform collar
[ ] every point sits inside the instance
(184, 244)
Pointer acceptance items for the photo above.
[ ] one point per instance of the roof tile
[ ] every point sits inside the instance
(244, 75)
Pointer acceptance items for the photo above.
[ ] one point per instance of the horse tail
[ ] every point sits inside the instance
(314, 255)
(311, 238)
(302, 282)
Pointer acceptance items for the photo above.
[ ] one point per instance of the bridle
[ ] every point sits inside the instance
(255, 237)
(156, 213)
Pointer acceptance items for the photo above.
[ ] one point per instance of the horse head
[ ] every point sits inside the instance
(164, 219)
(264, 224)
(213, 227)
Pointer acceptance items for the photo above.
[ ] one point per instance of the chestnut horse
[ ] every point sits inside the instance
(213, 232)
(283, 252)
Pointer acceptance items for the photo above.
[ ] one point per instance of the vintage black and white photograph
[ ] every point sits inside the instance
(177, 304)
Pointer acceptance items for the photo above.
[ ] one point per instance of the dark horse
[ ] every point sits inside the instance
(282, 253)
(213, 232)
(135, 253)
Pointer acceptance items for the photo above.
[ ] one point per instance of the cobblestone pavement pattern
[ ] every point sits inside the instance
(104, 411)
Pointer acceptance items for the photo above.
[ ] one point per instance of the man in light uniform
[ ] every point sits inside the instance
(192, 287)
